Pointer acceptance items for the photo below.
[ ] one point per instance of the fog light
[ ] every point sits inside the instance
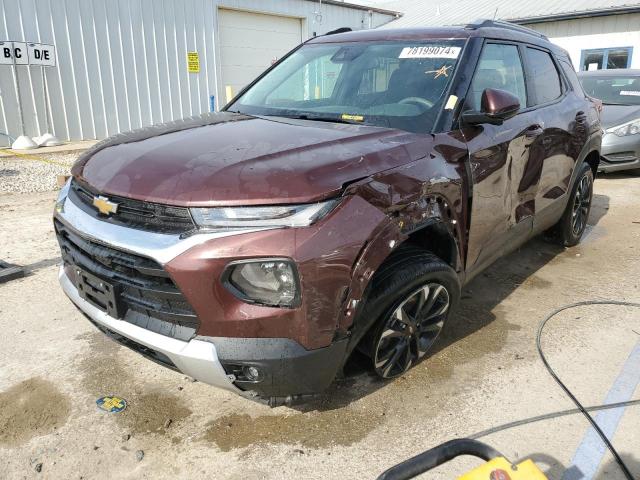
(266, 282)
(252, 373)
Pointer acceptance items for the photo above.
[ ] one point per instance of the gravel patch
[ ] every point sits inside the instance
(34, 173)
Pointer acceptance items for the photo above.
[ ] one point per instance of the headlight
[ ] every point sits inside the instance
(629, 128)
(62, 196)
(266, 282)
(269, 216)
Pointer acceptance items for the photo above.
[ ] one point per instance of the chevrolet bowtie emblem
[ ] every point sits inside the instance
(104, 206)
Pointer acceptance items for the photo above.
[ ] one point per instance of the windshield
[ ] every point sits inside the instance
(392, 84)
(618, 90)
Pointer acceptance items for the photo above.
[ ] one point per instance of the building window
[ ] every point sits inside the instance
(606, 58)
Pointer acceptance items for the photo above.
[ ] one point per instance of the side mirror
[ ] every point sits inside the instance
(496, 106)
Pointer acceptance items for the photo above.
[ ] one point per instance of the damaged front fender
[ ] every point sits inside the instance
(425, 195)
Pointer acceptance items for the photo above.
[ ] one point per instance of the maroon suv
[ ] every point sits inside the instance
(339, 202)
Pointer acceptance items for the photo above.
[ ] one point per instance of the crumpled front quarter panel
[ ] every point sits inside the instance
(432, 189)
(324, 254)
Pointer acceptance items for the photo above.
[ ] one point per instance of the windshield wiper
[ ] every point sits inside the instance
(319, 118)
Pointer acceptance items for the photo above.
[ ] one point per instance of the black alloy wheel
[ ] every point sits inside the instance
(411, 329)
(581, 205)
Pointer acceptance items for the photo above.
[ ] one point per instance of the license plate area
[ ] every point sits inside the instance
(97, 292)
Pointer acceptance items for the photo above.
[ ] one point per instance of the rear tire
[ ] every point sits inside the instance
(568, 231)
(412, 296)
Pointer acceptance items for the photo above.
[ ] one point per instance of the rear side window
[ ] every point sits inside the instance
(572, 76)
(499, 67)
(545, 79)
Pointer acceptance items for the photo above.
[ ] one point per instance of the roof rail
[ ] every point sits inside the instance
(339, 30)
(485, 23)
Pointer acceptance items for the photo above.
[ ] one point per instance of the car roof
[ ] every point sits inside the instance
(615, 72)
(482, 29)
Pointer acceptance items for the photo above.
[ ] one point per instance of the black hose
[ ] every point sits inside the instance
(573, 398)
(550, 416)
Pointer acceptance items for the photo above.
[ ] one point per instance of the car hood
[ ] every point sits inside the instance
(614, 115)
(241, 160)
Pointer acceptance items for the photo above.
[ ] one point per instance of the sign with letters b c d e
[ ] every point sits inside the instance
(27, 53)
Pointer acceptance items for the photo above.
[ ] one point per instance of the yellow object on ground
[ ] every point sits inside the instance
(501, 469)
(26, 156)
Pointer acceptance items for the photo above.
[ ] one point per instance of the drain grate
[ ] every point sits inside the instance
(10, 272)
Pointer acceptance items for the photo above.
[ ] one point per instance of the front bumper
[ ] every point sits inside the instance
(288, 371)
(216, 354)
(195, 358)
(619, 153)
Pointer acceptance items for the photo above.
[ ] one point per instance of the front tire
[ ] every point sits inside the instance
(412, 297)
(568, 231)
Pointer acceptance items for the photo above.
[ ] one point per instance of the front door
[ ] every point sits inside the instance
(500, 157)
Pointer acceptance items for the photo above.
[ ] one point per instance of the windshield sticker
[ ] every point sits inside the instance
(353, 118)
(430, 52)
(451, 103)
(630, 93)
(441, 72)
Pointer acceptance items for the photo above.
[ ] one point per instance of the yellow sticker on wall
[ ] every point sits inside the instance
(353, 118)
(193, 62)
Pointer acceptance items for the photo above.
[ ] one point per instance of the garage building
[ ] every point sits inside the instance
(598, 34)
(125, 64)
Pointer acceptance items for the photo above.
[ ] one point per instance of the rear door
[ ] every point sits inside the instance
(500, 156)
(563, 124)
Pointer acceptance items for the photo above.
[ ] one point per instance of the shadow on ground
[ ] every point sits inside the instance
(611, 467)
(555, 470)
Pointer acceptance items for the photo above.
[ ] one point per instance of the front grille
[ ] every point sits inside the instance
(146, 294)
(137, 214)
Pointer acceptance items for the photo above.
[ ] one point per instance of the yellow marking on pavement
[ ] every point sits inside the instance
(26, 156)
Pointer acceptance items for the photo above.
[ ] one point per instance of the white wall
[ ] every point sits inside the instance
(597, 32)
(331, 17)
(122, 63)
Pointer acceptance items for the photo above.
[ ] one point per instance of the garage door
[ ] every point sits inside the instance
(250, 42)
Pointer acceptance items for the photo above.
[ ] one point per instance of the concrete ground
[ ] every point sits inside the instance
(485, 372)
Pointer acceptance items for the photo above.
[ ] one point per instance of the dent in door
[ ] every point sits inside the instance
(499, 161)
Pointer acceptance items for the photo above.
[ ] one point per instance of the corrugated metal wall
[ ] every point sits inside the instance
(121, 64)
(598, 32)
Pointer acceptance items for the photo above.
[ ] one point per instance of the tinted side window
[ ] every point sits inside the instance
(499, 67)
(546, 81)
(572, 76)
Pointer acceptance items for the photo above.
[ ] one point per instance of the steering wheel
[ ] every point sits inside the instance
(423, 102)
